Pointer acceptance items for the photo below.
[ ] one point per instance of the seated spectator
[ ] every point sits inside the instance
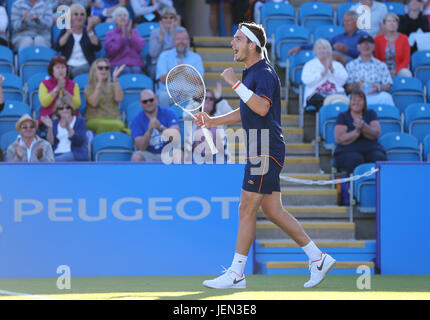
(356, 132)
(148, 11)
(78, 43)
(67, 133)
(393, 48)
(161, 38)
(102, 97)
(413, 21)
(322, 76)
(344, 45)
(1, 94)
(377, 13)
(3, 27)
(28, 147)
(58, 85)
(31, 22)
(153, 129)
(124, 44)
(101, 11)
(168, 59)
(369, 74)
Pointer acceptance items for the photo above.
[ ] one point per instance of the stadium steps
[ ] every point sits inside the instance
(304, 213)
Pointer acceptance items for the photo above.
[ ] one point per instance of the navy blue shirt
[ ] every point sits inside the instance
(362, 144)
(262, 79)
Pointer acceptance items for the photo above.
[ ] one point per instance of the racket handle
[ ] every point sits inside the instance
(208, 137)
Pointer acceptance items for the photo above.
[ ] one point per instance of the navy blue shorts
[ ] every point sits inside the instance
(263, 177)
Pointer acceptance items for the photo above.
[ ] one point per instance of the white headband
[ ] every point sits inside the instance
(251, 36)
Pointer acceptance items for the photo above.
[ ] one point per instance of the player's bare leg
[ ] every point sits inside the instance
(320, 263)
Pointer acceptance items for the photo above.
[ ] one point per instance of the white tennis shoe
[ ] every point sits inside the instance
(228, 280)
(319, 269)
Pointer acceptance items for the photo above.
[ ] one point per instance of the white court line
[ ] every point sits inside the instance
(20, 294)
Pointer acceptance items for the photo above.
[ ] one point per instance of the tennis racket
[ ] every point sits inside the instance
(187, 89)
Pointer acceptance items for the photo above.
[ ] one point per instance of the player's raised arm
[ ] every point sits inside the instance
(225, 119)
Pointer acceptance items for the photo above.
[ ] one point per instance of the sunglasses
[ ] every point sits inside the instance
(147, 100)
(79, 14)
(103, 67)
(28, 127)
(67, 108)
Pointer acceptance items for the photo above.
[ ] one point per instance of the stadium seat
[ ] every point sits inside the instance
(325, 121)
(400, 146)
(313, 14)
(145, 29)
(364, 189)
(417, 120)
(340, 11)
(420, 65)
(395, 7)
(12, 87)
(389, 118)
(327, 31)
(7, 139)
(132, 85)
(13, 110)
(274, 15)
(112, 146)
(82, 81)
(407, 90)
(6, 60)
(426, 148)
(131, 111)
(33, 84)
(33, 60)
(102, 29)
(287, 37)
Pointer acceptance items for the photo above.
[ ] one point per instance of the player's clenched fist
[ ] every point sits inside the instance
(229, 76)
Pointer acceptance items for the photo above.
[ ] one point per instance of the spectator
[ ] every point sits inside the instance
(161, 38)
(393, 48)
(170, 58)
(3, 26)
(377, 13)
(67, 133)
(322, 76)
(369, 74)
(28, 147)
(1, 94)
(153, 129)
(214, 16)
(413, 21)
(78, 44)
(102, 97)
(148, 11)
(31, 22)
(426, 10)
(356, 132)
(101, 11)
(123, 44)
(345, 44)
(58, 85)
(215, 105)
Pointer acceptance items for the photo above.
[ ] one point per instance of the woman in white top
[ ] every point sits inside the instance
(322, 76)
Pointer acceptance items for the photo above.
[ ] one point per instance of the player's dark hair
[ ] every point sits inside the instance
(258, 31)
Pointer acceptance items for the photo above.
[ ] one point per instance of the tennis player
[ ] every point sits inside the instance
(260, 110)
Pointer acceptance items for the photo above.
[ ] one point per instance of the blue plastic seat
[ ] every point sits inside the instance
(286, 38)
(102, 29)
(389, 117)
(131, 111)
(12, 111)
(420, 65)
(327, 31)
(314, 14)
(417, 120)
(12, 87)
(33, 60)
(295, 65)
(82, 81)
(7, 139)
(341, 10)
(325, 122)
(33, 84)
(426, 148)
(6, 60)
(395, 7)
(400, 146)
(145, 28)
(132, 85)
(112, 146)
(274, 15)
(364, 189)
(407, 90)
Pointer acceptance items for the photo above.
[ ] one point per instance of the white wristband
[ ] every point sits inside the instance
(242, 91)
